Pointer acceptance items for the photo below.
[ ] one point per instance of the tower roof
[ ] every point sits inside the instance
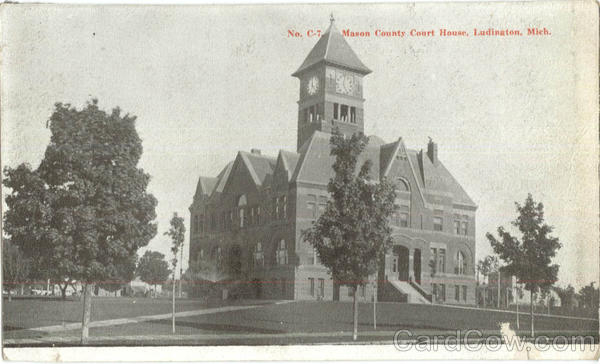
(332, 48)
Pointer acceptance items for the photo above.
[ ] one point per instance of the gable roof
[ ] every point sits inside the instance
(290, 160)
(223, 177)
(332, 48)
(315, 161)
(259, 166)
(205, 185)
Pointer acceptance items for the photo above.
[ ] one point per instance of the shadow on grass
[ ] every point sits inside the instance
(219, 327)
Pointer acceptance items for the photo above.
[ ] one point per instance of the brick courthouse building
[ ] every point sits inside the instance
(249, 219)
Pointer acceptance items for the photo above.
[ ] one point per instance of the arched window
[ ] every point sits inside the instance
(461, 263)
(403, 186)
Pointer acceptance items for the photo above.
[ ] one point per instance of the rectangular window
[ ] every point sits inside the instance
(312, 114)
(457, 227)
(353, 115)
(463, 228)
(457, 293)
(442, 292)
(441, 260)
(344, 113)
(464, 293)
(242, 217)
(335, 110)
(434, 290)
(433, 258)
(438, 223)
(395, 264)
(257, 215)
(311, 205)
(321, 287)
(282, 256)
(259, 256)
(312, 286)
(284, 206)
(403, 219)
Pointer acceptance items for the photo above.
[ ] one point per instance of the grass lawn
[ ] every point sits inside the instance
(293, 322)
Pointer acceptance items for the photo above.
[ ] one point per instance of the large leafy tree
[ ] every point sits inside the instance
(153, 268)
(177, 234)
(589, 296)
(353, 233)
(84, 212)
(15, 267)
(529, 258)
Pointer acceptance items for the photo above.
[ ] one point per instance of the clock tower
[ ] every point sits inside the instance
(331, 88)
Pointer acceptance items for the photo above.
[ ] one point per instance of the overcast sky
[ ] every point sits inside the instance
(510, 115)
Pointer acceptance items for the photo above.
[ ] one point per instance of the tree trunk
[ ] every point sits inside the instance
(173, 284)
(498, 303)
(355, 331)
(63, 291)
(531, 312)
(375, 307)
(87, 313)
(517, 302)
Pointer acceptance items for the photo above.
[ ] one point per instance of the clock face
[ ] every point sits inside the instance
(349, 84)
(313, 85)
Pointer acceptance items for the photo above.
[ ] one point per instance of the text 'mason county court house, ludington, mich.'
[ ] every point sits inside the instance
(248, 220)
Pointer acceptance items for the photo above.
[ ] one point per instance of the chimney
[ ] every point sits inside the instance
(432, 151)
(255, 151)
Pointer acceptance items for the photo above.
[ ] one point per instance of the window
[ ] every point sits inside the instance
(242, 217)
(457, 293)
(321, 287)
(257, 215)
(284, 206)
(314, 257)
(322, 205)
(312, 206)
(434, 290)
(438, 223)
(433, 259)
(201, 223)
(457, 227)
(201, 255)
(350, 292)
(441, 260)
(275, 208)
(464, 293)
(404, 219)
(395, 264)
(463, 228)
(353, 115)
(282, 256)
(461, 263)
(344, 113)
(363, 290)
(312, 114)
(442, 294)
(259, 256)
(312, 286)
(335, 110)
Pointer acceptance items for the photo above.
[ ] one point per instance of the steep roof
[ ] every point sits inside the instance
(205, 185)
(223, 177)
(315, 161)
(332, 48)
(259, 166)
(290, 159)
